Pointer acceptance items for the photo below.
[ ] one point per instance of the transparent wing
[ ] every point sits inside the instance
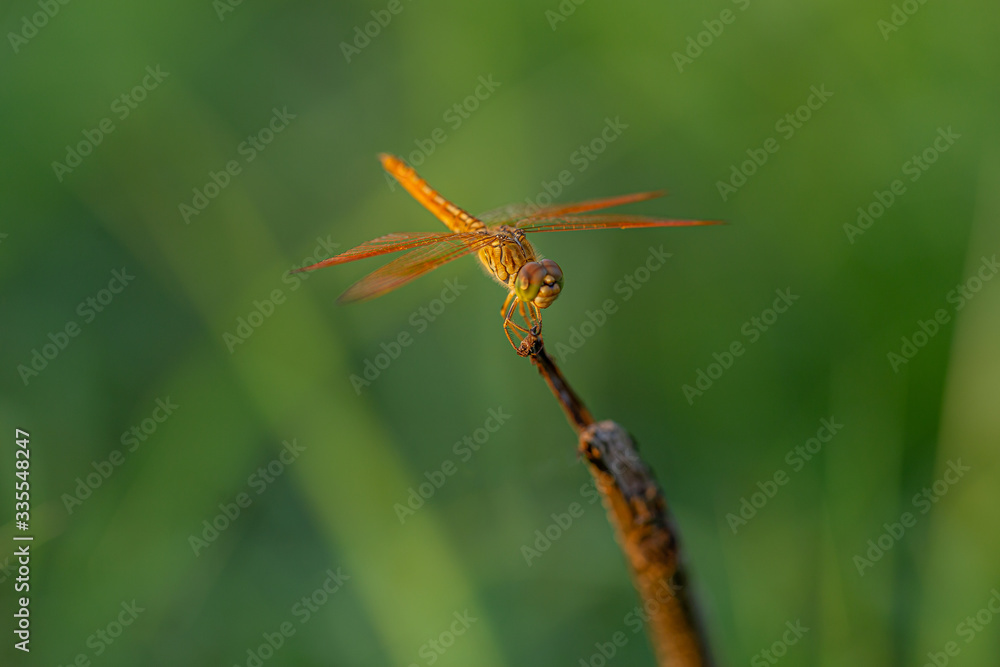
(508, 214)
(392, 243)
(515, 212)
(412, 265)
(566, 223)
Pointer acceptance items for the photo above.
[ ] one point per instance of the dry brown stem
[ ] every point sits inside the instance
(638, 512)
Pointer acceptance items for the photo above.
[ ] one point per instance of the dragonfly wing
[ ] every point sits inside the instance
(595, 204)
(509, 213)
(390, 243)
(412, 265)
(566, 223)
(515, 212)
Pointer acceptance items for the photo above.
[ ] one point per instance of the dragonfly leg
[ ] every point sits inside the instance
(503, 309)
(509, 324)
(532, 317)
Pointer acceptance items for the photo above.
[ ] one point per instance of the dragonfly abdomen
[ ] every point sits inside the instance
(455, 218)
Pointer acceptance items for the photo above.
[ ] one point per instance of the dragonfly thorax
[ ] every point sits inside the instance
(512, 260)
(508, 251)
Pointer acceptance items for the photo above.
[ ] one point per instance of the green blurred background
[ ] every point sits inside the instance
(682, 125)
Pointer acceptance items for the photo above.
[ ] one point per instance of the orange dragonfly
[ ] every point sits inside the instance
(498, 238)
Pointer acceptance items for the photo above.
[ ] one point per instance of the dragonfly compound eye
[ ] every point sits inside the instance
(554, 275)
(539, 282)
(530, 279)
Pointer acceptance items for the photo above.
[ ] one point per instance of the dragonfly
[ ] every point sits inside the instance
(497, 237)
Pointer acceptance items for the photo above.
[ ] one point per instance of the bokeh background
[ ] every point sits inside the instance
(559, 73)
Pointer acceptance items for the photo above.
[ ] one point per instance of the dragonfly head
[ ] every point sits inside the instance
(539, 282)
